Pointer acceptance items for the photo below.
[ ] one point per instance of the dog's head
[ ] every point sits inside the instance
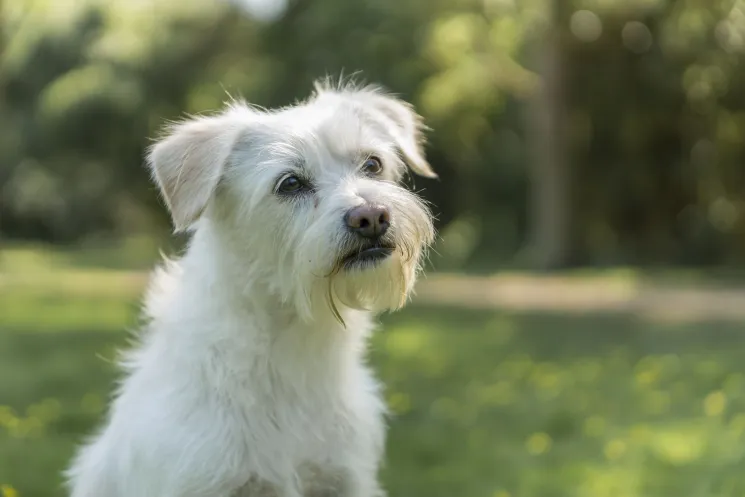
(309, 194)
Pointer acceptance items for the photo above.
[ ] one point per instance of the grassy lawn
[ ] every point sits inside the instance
(488, 404)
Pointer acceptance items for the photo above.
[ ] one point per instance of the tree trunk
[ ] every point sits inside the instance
(550, 175)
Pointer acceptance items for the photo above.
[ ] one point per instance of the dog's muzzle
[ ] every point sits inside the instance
(368, 223)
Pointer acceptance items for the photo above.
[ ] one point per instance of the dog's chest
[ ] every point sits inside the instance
(294, 410)
(314, 444)
(313, 481)
(309, 423)
(311, 428)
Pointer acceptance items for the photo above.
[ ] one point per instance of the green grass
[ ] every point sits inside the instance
(488, 404)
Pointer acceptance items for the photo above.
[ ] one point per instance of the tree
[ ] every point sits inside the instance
(550, 169)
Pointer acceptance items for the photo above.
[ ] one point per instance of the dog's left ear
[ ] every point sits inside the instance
(404, 124)
(188, 163)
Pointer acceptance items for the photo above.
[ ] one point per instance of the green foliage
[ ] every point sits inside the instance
(654, 120)
(491, 404)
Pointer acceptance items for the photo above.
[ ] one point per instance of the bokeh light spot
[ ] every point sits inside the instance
(586, 25)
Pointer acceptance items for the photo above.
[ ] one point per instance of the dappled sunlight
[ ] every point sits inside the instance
(680, 446)
(605, 414)
(482, 402)
(607, 136)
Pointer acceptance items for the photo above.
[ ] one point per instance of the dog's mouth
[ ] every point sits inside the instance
(367, 256)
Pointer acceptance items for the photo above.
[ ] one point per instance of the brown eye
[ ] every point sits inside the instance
(372, 166)
(291, 184)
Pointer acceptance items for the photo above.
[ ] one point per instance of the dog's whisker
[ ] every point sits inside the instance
(332, 304)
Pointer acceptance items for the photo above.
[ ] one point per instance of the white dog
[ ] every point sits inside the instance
(251, 379)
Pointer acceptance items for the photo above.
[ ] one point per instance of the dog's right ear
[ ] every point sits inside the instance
(188, 162)
(404, 124)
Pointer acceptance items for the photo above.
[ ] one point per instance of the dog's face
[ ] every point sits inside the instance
(308, 194)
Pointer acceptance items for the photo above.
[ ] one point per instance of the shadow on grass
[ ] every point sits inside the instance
(485, 404)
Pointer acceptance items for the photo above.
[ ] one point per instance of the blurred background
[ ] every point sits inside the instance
(580, 332)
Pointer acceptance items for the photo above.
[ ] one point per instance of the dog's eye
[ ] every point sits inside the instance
(290, 184)
(372, 166)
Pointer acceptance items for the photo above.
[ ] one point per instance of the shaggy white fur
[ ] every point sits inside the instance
(250, 378)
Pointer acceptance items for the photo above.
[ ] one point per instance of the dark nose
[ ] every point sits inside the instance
(369, 221)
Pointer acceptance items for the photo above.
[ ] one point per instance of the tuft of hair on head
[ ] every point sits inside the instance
(399, 117)
(341, 84)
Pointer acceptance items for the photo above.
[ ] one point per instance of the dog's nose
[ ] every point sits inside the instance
(369, 221)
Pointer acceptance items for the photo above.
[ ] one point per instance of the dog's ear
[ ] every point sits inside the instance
(404, 124)
(188, 162)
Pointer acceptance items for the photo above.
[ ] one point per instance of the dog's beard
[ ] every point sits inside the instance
(379, 286)
(326, 273)
(375, 286)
